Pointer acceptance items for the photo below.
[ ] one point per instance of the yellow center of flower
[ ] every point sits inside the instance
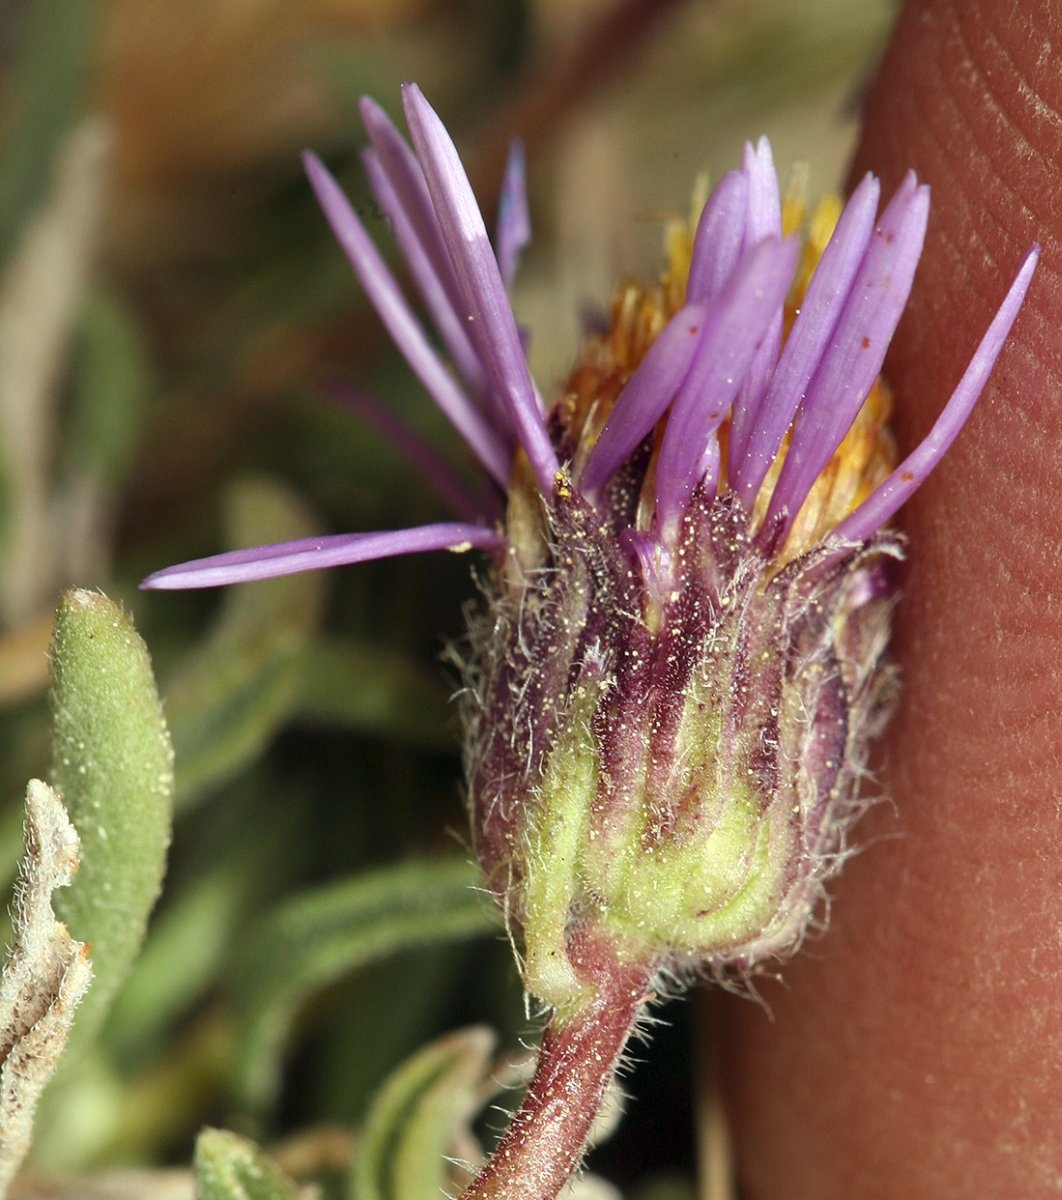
(639, 312)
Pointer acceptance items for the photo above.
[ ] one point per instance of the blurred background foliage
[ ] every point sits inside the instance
(174, 320)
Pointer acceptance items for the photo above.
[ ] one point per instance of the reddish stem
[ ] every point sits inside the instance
(547, 1137)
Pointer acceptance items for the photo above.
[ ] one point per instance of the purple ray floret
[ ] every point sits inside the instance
(720, 238)
(736, 326)
(645, 399)
(403, 172)
(763, 219)
(852, 361)
(491, 321)
(424, 267)
(311, 554)
(719, 361)
(808, 340)
(514, 215)
(887, 499)
(403, 325)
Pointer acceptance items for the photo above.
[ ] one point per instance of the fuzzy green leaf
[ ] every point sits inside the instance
(228, 1167)
(113, 766)
(242, 683)
(418, 1118)
(317, 938)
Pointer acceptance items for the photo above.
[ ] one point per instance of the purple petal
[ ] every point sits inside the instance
(807, 342)
(491, 322)
(879, 507)
(312, 554)
(423, 267)
(719, 239)
(763, 219)
(395, 161)
(853, 361)
(737, 323)
(645, 397)
(514, 216)
(403, 327)
(399, 164)
(764, 213)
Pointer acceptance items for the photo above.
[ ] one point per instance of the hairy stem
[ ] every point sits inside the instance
(547, 1137)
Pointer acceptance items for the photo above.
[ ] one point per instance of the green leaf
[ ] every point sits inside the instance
(228, 1167)
(113, 766)
(241, 685)
(317, 938)
(189, 939)
(417, 1118)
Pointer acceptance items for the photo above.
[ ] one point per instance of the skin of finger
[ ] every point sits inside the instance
(915, 1050)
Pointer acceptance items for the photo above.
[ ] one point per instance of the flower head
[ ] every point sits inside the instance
(680, 661)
